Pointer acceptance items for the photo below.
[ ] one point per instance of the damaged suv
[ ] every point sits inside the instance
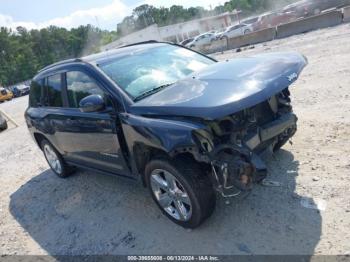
(182, 123)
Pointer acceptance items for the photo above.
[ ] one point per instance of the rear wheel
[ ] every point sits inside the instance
(247, 31)
(181, 191)
(55, 160)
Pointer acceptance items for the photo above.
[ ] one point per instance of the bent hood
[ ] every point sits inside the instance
(225, 88)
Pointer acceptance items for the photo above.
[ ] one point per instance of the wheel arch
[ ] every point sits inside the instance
(143, 154)
(38, 137)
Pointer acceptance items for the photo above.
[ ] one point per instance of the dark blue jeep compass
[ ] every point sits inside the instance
(184, 124)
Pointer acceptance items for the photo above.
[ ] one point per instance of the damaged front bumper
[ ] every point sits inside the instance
(286, 124)
(236, 167)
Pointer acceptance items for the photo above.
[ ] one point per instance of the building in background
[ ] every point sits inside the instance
(177, 32)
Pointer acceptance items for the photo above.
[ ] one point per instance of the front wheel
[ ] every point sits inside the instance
(55, 160)
(181, 190)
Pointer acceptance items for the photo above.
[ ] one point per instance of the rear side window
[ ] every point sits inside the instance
(54, 91)
(79, 86)
(35, 93)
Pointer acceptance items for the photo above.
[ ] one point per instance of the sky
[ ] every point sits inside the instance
(36, 14)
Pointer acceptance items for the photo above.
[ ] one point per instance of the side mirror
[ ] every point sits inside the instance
(92, 103)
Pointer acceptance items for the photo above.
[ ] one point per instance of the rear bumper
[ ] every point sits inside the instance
(274, 129)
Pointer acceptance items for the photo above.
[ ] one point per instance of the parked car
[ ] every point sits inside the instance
(5, 95)
(186, 41)
(20, 90)
(250, 20)
(307, 8)
(184, 124)
(273, 19)
(235, 30)
(3, 123)
(201, 40)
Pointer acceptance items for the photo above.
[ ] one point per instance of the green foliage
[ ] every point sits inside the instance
(23, 53)
(145, 15)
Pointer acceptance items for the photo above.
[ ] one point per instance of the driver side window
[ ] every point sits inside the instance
(79, 86)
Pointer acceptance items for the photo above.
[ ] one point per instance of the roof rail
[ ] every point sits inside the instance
(141, 43)
(61, 63)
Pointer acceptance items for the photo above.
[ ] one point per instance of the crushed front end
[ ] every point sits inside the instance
(234, 143)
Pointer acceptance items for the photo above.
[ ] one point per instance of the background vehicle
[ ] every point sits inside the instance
(201, 40)
(3, 123)
(20, 90)
(273, 19)
(307, 8)
(185, 42)
(235, 30)
(250, 20)
(5, 94)
(184, 124)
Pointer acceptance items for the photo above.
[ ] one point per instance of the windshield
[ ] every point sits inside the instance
(149, 69)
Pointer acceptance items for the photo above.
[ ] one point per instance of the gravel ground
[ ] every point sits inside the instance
(95, 214)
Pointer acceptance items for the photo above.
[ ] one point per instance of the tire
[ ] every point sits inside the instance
(280, 144)
(64, 170)
(3, 126)
(247, 31)
(284, 141)
(193, 186)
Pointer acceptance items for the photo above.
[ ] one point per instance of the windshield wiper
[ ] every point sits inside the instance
(151, 92)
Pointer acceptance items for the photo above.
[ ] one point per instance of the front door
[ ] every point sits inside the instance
(89, 139)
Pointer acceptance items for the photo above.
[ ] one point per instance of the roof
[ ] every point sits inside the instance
(105, 55)
(121, 51)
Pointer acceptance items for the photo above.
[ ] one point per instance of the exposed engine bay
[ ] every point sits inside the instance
(236, 142)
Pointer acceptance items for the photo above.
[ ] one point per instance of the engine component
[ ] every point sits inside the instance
(232, 170)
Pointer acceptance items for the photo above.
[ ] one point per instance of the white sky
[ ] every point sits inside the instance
(103, 13)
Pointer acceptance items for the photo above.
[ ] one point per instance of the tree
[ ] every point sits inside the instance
(23, 52)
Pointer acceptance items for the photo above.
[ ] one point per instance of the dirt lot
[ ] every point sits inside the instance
(95, 214)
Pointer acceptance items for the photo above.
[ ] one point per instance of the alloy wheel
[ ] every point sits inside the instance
(171, 195)
(52, 159)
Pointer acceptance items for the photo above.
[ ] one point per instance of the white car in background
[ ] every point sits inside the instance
(201, 40)
(236, 30)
